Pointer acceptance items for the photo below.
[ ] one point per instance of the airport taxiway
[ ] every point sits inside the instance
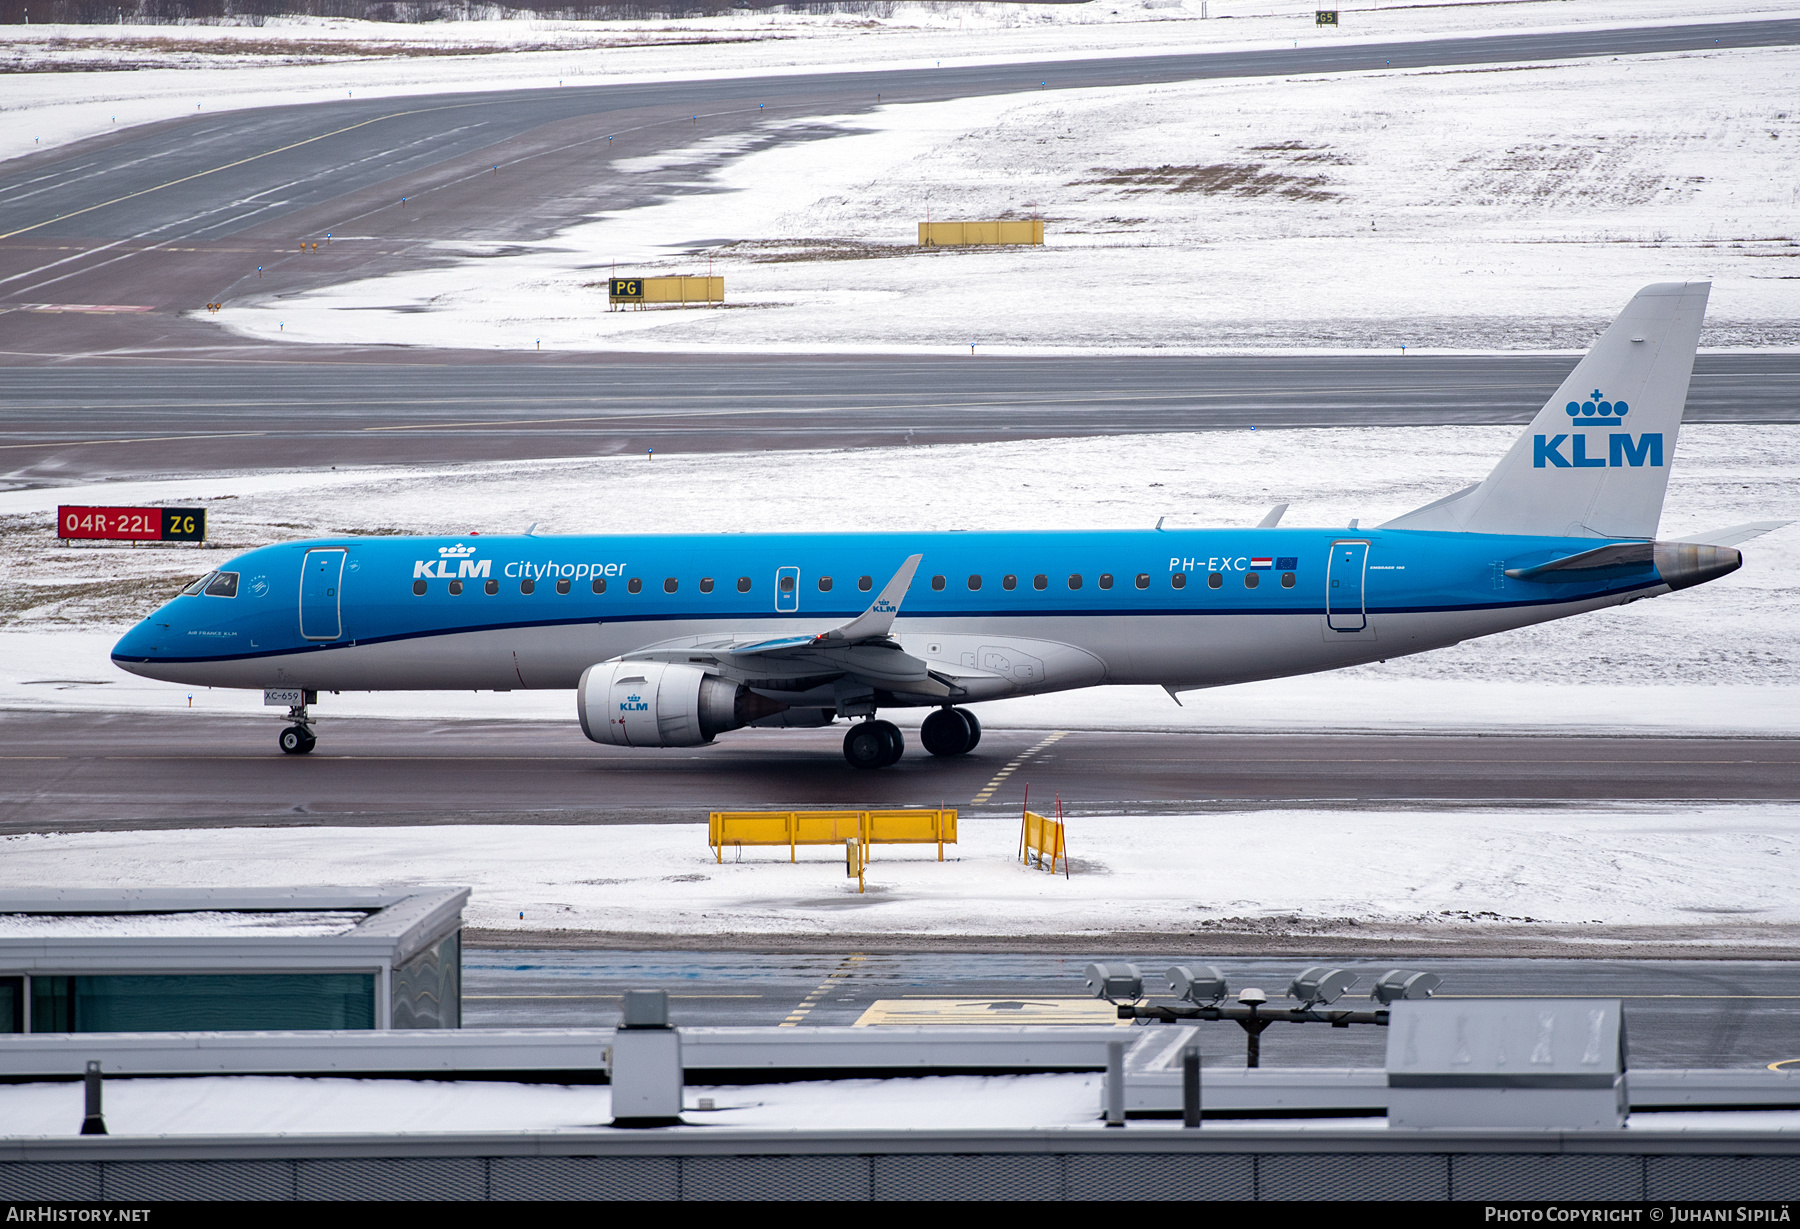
(161, 219)
(67, 425)
(1679, 1013)
(72, 771)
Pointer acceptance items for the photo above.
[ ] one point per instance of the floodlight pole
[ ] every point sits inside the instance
(1253, 1018)
(1253, 1026)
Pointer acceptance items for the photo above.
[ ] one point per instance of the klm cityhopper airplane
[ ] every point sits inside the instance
(670, 640)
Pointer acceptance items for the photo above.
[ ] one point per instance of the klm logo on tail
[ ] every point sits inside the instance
(1622, 449)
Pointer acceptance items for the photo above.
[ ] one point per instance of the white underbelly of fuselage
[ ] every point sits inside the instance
(1009, 656)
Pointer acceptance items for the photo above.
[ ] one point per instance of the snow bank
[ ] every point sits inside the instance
(1340, 871)
(199, 924)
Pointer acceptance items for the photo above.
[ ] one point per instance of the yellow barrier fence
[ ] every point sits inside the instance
(856, 860)
(970, 234)
(638, 291)
(796, 828)
(1042, 837)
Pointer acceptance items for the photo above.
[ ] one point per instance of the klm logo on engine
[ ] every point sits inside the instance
(634, 704)
(1622, 449)
(439, 568)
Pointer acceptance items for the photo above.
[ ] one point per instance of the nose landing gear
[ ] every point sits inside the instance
(873, 744)
(298, 738)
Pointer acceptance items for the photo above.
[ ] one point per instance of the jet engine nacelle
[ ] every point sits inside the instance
(662, 704)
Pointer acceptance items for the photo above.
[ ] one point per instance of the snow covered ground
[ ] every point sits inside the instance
(68, 82)
(1372, 874)
(1338, 212)
(1341, 212)
(1722, 658)
(256, 1105)
(199, 924)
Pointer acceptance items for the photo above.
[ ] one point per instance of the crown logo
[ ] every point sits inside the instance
(459, 551)
(1597, 412)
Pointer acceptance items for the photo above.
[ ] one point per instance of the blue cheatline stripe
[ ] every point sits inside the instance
(1291, 612)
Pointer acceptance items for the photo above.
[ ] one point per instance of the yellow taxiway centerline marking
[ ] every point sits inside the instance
(707, 997)
(812, 1000)
(987, 791)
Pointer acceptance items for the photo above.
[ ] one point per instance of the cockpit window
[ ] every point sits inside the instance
(198, 585)
(223, 584)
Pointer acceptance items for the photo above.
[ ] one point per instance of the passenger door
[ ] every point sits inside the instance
(1344, 587)
(321, 582)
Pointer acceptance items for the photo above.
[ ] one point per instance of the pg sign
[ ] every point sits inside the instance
(625, 290)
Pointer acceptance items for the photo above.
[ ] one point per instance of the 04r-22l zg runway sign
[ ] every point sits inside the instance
(131, 524)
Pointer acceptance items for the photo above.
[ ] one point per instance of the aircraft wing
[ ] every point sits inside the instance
(860, 650)
(872, 624)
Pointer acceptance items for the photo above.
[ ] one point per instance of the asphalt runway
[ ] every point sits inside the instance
(1687, 1013)
(85, 771)
(160, 219)
(85, 424)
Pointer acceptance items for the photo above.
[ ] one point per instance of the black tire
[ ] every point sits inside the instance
(974, 729)
(297, 740)
(896, 744)
(946, 732)
(866, 745)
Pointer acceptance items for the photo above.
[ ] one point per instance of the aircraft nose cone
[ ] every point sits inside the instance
(143, 643)
(1682, 565)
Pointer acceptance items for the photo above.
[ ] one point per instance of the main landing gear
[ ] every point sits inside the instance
(298, 738)
(950, 731)
(878, 744)
(873, 744)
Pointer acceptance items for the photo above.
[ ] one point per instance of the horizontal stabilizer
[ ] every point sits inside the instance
(1737, 533)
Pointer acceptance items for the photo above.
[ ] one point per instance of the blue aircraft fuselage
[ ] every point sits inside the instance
(331, 613)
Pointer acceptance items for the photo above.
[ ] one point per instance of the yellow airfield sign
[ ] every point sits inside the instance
(964, 1013)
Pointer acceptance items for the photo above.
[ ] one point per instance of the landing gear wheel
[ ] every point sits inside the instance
(974, 729)
(873, 744)
(896, 744)
(297, 740)
(948, 731)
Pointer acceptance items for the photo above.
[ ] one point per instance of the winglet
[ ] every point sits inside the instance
(879, 617)
(1274, 517)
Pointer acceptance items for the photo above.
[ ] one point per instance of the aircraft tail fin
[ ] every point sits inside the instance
(1595, 461)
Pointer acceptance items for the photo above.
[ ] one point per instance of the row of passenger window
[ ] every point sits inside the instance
(1177, 580)
(1009, 582)
(529, 586)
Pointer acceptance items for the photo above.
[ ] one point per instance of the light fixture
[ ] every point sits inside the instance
(1321, 985)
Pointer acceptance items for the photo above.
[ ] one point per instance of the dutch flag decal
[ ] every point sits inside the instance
(1261, 562)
